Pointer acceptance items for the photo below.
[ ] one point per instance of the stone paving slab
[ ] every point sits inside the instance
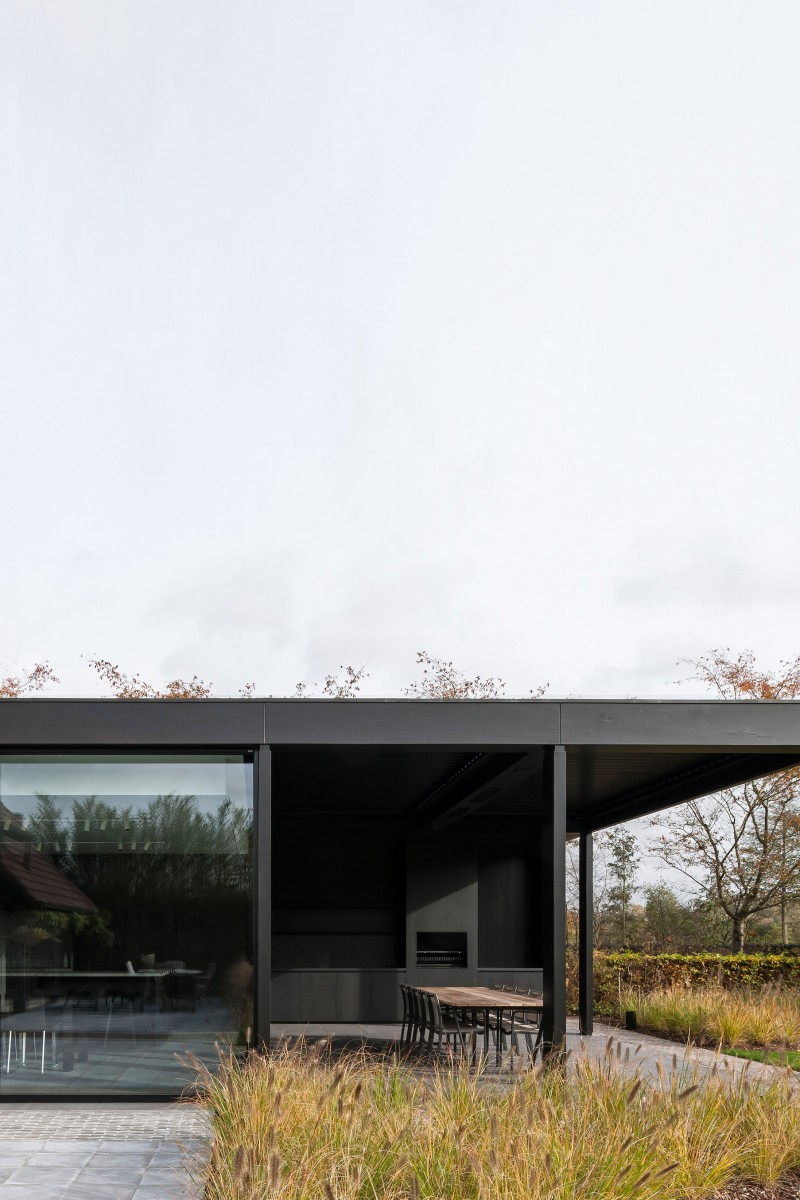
(643, 1052)
(635, 1051)
(85, 1171)
(102, 1151)
(127, 1170)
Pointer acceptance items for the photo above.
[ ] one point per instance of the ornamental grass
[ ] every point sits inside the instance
(767, 1018)
(298, 1124)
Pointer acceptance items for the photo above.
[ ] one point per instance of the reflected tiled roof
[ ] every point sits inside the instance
(38, 879)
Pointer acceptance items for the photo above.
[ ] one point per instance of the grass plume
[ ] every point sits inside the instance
(295, 1125)
(764, 1018)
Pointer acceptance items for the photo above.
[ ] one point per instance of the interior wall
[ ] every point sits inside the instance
(441, 896)
(509, 875)
(350, 897)
(338, 896)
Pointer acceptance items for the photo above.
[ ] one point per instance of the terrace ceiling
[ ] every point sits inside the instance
(428, 789)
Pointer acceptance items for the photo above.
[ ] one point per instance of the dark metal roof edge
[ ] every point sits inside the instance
(355, 700)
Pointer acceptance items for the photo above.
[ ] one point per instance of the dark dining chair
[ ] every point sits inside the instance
(528, 1023)
(419, 1012)
(520, 1022)
(407, 1026)
(442, 1029)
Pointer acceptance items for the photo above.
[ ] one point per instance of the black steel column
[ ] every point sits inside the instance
(554, 844)
(586, 924)
(262, 897)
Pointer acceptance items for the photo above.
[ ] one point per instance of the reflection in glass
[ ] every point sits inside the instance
(125, 918)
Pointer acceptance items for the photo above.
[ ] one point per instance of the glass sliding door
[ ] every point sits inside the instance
(125, 919)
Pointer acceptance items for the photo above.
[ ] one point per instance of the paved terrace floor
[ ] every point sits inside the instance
(635, 1051)
(140, 1151)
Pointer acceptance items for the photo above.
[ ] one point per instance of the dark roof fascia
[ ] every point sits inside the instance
(716, 726)
(754, 726)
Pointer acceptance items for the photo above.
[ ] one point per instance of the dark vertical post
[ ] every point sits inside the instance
(554, 844)
(262, 896)
(586, 923)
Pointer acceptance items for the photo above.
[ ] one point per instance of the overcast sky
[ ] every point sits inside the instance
(333, 331)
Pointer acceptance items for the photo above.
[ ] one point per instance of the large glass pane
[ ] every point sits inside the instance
(125, 918)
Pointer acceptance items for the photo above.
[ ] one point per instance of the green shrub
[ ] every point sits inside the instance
(628, 971)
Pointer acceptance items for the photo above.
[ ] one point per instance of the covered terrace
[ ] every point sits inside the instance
(405, 840)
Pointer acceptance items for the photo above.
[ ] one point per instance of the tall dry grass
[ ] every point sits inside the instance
(297, 1126)
(710, 1016)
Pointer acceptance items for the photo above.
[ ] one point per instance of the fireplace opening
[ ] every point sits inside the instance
(441, 949)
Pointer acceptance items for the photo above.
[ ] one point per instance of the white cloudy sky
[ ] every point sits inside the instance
(332, 331)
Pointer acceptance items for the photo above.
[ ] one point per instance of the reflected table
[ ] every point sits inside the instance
(56, 1006)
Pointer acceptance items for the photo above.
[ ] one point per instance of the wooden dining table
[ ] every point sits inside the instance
(486, 1001)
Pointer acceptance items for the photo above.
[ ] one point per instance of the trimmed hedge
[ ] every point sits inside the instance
(629, 970)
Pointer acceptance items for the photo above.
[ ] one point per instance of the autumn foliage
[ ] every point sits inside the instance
(33, 680)
(740, 679)
(336, 687)
(133, 687)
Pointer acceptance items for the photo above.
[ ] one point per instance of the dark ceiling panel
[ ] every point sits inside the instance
(378, 782)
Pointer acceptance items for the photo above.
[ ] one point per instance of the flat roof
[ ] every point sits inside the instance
(435, 763)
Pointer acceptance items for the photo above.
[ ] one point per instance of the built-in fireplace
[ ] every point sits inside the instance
(441, 949)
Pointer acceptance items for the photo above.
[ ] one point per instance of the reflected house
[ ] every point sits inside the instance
(32, 889)
(184, 873)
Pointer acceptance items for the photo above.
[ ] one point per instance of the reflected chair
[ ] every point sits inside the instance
(179, 991)
(16, 1042)
(129, 993)
(201, 984)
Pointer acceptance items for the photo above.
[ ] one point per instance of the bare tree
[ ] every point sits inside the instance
(334, 687)
(133, 687)
(740, 847)
(601, 881)
(32, 680)
(740, 679)
(443, 681)
(348, 687)
(623, 866)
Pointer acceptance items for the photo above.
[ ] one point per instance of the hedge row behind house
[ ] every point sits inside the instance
(628, 970)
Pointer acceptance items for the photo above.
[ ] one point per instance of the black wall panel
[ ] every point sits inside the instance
(338, 896)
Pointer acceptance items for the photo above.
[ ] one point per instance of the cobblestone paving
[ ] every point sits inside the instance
(119, 1122)
(102, 1152)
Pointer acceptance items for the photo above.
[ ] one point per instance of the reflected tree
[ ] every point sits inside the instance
(172, 882)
